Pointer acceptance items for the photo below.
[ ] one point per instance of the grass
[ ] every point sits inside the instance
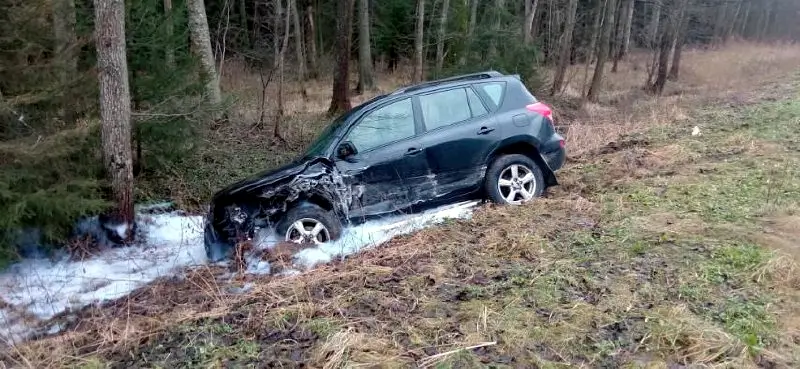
(658, 249)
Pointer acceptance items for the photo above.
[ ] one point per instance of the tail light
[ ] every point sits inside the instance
(541, 109)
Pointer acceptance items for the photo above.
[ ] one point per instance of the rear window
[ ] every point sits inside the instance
(494, 91)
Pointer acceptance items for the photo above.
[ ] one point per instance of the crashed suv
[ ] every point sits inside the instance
(480, 135)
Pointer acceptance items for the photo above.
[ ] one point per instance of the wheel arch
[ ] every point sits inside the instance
(527, 148)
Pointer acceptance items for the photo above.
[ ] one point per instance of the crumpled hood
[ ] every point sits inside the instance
(263, 179)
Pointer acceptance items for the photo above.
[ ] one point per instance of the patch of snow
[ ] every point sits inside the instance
(35, 290)
(376, 232)
(122, 230)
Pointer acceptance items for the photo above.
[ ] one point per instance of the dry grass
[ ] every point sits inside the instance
(588, 277)
(736, 73)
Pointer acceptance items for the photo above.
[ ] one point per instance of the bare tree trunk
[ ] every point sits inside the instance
(654, 37)
(530, 14)
(440, 41)
(745, 17)
(668, 39)
(619, 33)
(276, 33)
(602, 55)
(663, 58)
(298, 41)
(732, 22)
(243, 21)
(591, 51)
(340, 101)
(290, 8)
(115, 108)
(311, 42)
(366, 81)
(418, 41)
(499, 5)
(566, 47)
(655, 16)
(598, 21)
(675, 69)
(473, 16)
(169, 53)
(201, 45)
(762, 31)
(626, 42)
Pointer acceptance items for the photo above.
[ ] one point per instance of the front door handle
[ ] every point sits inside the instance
(485, 130)
(413, 151)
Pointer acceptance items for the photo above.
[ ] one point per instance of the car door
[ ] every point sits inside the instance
(388, 157)
(459, 134)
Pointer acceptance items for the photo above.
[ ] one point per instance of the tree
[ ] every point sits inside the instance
(365, 79)
(201, 45)
(115, 109)
(499, 7)
(530, 15)
(169, 29)
(566, 47)
(591, 50)
(626, 44)
(418, 41)
(243, 21)
(669, 36)
(340, 101)
(623, 32)
(674, 70)
(311, 42)
(602, 55)
(652, 28)
(440, 40)
(276, 33)
(473, 16)
(281, 63)
(298, 40)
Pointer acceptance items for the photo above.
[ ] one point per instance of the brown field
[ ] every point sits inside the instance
(658, 250)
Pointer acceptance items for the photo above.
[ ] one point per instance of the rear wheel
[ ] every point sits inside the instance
(514, 179)
(309, 224)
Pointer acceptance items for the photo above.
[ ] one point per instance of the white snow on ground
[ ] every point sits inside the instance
(34, 290)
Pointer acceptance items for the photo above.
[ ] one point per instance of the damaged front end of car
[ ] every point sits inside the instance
(237, 212)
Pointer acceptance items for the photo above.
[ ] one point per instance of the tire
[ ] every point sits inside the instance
(501, 171)
(309, 215)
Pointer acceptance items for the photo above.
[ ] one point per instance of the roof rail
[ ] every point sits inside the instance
(459, 78)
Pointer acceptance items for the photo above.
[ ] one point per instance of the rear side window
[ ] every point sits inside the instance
(494, 91)
(445, 108)
(475, 104)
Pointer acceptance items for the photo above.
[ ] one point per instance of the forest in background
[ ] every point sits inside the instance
(68, 69)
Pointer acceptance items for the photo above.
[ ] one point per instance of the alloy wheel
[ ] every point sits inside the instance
(308, 230)
(516, 184)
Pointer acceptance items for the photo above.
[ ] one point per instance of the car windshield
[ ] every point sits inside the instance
(329, 134)
(324, 140)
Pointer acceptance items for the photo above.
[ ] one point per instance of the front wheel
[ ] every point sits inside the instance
(309, 224)
(514, 179)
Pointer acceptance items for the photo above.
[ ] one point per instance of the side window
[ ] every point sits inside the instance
(494, 91)
(444, 108)
(384, 125)
(475, 104)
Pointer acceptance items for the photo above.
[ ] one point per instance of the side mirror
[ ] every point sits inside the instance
(346, 150)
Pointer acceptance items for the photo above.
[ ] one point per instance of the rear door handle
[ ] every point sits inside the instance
(485, 130)
(413, 151)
